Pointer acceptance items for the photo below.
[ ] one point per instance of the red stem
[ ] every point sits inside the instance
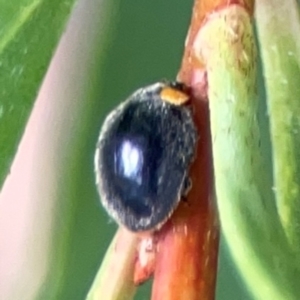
(185, 265)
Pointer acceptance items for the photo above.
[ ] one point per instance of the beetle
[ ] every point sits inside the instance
(144, 151)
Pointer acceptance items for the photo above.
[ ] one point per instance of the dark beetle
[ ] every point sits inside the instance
(143, 155)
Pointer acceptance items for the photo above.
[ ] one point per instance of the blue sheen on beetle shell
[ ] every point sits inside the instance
(144, 151)
(129, 161)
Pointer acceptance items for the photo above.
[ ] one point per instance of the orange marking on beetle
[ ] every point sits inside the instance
(174, 96)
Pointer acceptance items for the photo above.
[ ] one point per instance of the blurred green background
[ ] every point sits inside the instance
(113, 49)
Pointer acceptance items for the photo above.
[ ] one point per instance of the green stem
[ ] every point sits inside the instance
(246, 204)
(114, 280)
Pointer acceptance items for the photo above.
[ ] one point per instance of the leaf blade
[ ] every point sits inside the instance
(278, 24)
(28, 40)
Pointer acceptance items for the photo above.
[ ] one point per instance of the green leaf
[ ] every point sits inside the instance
(278, 24)
(30, 30)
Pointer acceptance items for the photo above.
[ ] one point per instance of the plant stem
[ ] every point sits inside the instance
(246, 204)
(114, 280)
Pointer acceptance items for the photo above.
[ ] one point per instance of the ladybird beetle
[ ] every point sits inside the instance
(143, 155)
